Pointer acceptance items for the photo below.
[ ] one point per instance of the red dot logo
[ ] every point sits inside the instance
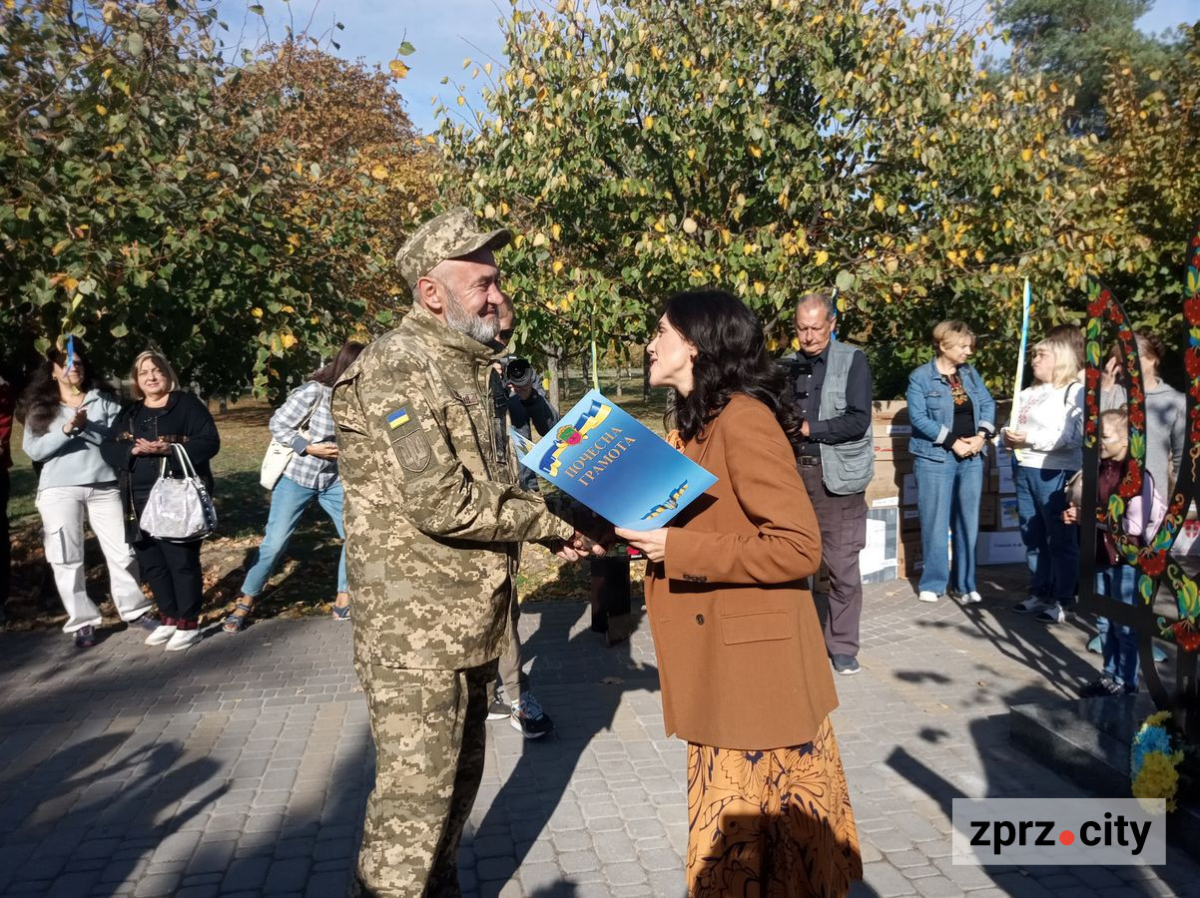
(1066, 837)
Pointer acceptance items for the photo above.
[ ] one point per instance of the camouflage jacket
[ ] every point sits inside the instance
(434, 517)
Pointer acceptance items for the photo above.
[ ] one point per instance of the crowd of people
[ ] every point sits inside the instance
(99, 462)
(403, 447)
(953, 418)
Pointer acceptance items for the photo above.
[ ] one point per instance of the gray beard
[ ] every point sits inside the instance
(482, 330)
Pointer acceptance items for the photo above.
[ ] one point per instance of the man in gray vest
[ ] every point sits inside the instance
(832, 384)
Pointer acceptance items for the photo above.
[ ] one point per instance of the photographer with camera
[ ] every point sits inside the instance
(527, 409)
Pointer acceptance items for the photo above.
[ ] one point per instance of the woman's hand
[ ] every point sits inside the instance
(651, 543)
(327, 451)
(143, 446)
(962, 448)
(1014, 437)
(1070, 514)
(78, 422)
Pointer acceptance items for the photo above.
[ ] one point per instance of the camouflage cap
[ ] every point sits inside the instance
(451, 235)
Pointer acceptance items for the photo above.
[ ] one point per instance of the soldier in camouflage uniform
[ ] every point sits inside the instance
(434, 520)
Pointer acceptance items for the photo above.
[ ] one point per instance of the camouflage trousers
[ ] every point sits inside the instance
(429, 731)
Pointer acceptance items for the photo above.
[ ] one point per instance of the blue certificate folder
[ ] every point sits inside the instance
(615, 465)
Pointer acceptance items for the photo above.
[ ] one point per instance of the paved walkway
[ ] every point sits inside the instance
(241, 767)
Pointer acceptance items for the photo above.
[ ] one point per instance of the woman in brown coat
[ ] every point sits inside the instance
(740, 652)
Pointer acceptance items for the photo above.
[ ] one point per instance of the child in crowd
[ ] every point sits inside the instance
(1115, 578)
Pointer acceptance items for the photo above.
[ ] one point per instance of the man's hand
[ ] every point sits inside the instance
(651, 543)
(804, 427)
(1070, 514)
(592, 533)
(328, 451)
(564, 551)
(585, 545)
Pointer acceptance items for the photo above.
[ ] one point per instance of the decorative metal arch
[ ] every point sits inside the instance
(1154, 560)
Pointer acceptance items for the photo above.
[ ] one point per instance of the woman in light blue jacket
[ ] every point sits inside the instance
(66, 418)
(952, 416)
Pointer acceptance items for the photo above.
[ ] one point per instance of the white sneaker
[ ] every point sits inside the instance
(1031, 604)
(926, 596)
(161, 634)
(183, 639)
(972, 598)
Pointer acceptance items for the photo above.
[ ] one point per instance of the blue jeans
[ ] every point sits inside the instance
(288, 501)
(1051, 547)
(948, 500)
(1119, 642)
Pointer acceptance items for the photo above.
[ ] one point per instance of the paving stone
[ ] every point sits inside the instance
(540, 878)
(200, 891)
(886, 880)
(246, 873)
(153, 885)
(287, 875)
(660, 859)
(614, 847)
(624, 874)
(578, 861)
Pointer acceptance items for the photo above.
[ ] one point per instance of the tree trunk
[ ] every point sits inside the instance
(555, 383)
(645, 375)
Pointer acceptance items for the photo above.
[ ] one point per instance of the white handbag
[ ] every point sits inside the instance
(179, 509)
(276, 458)
(274, 463)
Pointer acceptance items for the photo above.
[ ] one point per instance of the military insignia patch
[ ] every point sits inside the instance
(409, 443)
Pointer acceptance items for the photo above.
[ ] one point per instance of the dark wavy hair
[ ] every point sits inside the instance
(731, 357)
(328, 376)
(41, 399)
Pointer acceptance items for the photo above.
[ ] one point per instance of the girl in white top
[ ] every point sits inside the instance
(66, 419)
(1047, 435)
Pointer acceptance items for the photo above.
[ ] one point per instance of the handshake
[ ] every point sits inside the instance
(593, 535)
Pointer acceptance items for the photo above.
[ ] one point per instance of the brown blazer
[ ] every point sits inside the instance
(741, 657)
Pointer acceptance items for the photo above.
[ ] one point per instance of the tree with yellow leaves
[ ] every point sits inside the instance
(772, 147)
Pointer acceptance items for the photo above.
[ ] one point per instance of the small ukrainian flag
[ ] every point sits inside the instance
(398, 417)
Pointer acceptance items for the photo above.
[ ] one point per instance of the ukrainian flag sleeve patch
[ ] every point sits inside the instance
(407, 437)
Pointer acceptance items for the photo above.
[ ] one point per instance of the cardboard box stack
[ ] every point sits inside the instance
(893, 532)
(999, 530)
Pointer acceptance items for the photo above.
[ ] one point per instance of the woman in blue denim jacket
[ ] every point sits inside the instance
(952, 416)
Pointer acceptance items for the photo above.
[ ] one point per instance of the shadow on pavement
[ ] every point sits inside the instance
(83, 819)
(535, 795)
(112, 773)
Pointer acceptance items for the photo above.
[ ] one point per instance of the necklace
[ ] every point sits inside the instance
(957, 391)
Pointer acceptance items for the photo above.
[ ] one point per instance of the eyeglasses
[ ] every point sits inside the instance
(819, 329)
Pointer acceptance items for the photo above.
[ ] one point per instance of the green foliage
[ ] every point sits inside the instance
(1076, 41)
(771, 147)
(149, 200)
(1147, 191)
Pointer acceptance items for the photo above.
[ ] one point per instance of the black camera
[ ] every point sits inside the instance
(519, 372)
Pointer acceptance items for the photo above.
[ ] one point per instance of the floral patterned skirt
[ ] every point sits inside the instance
(770, 824)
